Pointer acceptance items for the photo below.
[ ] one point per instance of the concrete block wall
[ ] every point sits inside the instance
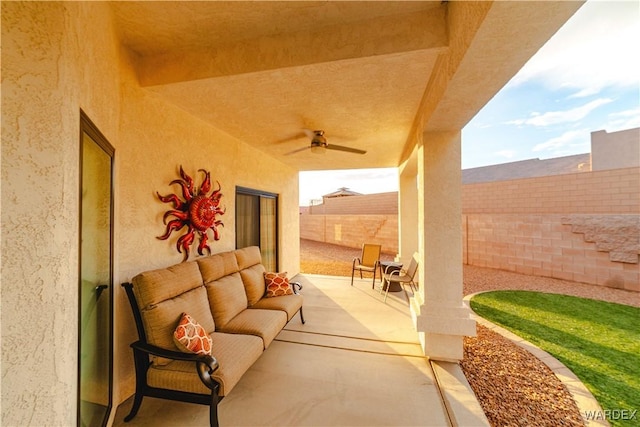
(583, 227)
(367, 204)
(312, 227)
(542, 245)
(352, 230)
(608, 191)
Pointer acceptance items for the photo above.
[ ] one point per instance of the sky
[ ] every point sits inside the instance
(586, 78)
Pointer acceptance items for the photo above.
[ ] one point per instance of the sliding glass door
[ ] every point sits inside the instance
(95, 284)
(256, 223)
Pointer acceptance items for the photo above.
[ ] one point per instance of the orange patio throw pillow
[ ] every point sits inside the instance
(277, 284)
(190, 336)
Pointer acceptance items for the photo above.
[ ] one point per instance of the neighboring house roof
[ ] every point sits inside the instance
(341, 192)
(528, 169)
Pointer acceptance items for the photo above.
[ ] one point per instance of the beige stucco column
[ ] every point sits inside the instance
(440, 316)
(408, 210)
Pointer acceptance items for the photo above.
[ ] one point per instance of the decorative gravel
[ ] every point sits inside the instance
(513, 387)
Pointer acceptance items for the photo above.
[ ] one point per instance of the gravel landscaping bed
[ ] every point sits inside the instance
(513, 387)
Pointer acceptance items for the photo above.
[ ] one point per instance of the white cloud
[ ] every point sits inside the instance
(556, 117)
(588, 61)
(509, 154)
(623, 120)
(585, 92)
(594, 55)
(567, 143)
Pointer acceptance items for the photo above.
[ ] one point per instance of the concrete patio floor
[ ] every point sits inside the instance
(356, 362)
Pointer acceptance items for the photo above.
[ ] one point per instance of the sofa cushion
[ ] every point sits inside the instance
(216, 266)
(152, 287)
(290, 304)
(263, 323)
(247, 257)
(191, 337)
(277, 284)
(160, 320)
(235, 355)
(227, 298)
(254, 285)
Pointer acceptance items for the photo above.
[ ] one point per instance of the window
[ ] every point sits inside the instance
(256, 223)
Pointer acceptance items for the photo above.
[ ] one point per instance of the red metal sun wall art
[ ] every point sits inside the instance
(198, 212)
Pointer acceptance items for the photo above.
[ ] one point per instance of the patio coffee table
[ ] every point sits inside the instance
(388, 267)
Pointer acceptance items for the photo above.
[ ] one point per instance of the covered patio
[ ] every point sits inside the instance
(357, 361)
(229, 88)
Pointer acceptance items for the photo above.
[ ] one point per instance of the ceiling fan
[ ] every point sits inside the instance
(319, 144)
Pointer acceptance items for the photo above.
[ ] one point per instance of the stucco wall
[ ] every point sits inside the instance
(615, 150)
(157, 137)
(56, 59)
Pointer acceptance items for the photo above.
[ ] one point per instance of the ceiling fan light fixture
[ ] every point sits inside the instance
(319, 148)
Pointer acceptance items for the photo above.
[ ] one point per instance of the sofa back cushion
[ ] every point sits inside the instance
(163, 295)
(227, 298)
(152, 287)
(216, 266)
(252, 271)
(246, 257)
(161, 320)
(254, 284)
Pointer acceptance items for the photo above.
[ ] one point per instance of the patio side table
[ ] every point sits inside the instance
(388, 267)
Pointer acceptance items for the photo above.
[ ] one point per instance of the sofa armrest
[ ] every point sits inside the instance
(205, 364)
(296, 287)
(176, 355)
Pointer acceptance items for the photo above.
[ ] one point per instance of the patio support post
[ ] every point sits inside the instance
(408, 210)
(441, 317)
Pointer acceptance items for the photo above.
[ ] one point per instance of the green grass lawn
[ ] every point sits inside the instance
(598, 341)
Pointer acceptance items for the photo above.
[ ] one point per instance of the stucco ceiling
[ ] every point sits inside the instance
(264, 71)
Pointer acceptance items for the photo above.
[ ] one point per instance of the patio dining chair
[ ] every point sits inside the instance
(402, 276)
(369, 260)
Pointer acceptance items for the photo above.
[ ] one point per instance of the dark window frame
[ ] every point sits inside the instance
(246, 191)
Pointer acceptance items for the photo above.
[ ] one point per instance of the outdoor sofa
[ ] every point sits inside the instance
(228, 298)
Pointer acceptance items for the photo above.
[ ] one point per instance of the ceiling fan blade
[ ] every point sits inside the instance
(308, 132)
(297, 151)
(292, 138)
(347, 149)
